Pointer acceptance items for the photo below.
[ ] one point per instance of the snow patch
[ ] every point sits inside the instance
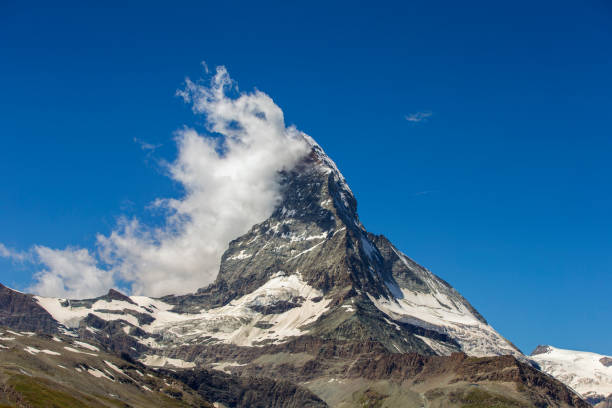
(443, 310)
(114, 367)
(580, 370)
(223, 366)
(241, 255)
(368, 248)
(437, 346)
(98, 374)
(87, 346)
(79, 351)
(31, 350)
(161, 361)
(236, 322)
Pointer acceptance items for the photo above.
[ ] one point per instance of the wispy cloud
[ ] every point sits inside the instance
(146, 146)
(230, 183)
(70, 272)
(424, 192)
(13, 254)
(205, 66)
(419, 116)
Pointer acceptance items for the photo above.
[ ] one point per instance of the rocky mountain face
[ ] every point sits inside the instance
(38, 370)
(314, 259)
(311, 297)
(590, 374)
(21, 312)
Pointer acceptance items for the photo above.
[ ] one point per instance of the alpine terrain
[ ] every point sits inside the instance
(308, 309)
(590, 374)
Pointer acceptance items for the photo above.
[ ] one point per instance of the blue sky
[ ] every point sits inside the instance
(503, 188)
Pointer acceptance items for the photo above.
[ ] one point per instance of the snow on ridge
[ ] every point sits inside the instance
(327, 162)
(233, 323)
(240, 255)
(70, 316)
(237, 321)
(581, 370)
(443, 310)
(421, 309)
(369, 249)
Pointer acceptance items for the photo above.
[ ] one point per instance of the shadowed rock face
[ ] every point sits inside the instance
(540, 350)
(21, 312)
(606, 361)
(247, 392)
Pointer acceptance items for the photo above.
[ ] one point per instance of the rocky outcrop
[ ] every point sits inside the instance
(540, 349)
(247, 392)
(543, 389)
(21, 312)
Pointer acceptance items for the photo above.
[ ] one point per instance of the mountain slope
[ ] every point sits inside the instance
(311, 297)
(43, 371)
(590, 374)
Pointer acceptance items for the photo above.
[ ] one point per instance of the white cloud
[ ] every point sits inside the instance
(146, 146)
(418, 116)
(70, 273)
(13, 254)
(230, 183)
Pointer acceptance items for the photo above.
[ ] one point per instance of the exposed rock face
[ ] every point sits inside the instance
(21, 312)
(247, 392)
(541, 350)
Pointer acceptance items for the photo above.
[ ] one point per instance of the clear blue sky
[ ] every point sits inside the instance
(504, 191)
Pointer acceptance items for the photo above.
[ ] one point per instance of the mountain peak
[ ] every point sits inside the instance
(590, 374)
(116, 295)
(541, 349)
(366, 285)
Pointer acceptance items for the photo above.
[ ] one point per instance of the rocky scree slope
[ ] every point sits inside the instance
(41, 370)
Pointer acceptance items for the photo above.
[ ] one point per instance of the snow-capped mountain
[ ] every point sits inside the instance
(311, 267)
(310, 297)
(590, 374)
